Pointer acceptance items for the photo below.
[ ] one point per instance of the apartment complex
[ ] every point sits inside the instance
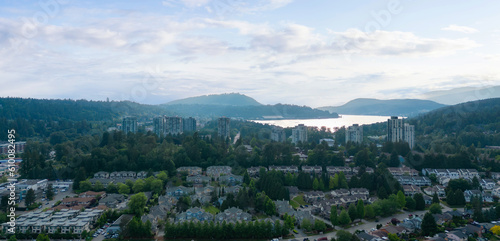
(129, 124)
(398, 131)
(223, 127)
(354, 133)
(299, 134)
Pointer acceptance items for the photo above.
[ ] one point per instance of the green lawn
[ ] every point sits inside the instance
(300, 200)
(294, 204)
(211, 209)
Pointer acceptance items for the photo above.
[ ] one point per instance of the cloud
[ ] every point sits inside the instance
(396, 43)
(462, 29)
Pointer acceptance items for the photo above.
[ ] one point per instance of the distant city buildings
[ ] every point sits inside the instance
(278, 134)
(189, 124)
(354, 133)
(397, 131)
(223, 128)
(299, 134)
(129, 124)
(165, 125)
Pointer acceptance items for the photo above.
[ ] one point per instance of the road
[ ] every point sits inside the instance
(368, 225)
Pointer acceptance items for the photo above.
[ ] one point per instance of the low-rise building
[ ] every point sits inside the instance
(233, 215)
(191, 171)
(194, 214)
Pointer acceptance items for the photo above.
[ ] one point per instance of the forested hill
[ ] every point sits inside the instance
(74, 110)
(278, 111)
(475, 122)
(232, 99)
(41, 117)
(395, 107)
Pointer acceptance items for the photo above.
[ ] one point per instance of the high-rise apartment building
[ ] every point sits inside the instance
(129, 124)
(354, 133)
(223, 128)
(189, 124)
(299, 133)
(278, 134)
(398, 131)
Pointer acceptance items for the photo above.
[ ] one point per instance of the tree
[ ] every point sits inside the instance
(459, 197)
(429, 226)
(157, 186)
(319, 225)
(137, 203)
(353, 214)
(495, 230)
(343, 235)
(42, 237)
(435, 198)
(50, 192)
(401, 199)
(162, 176)
(315, 184)
(370, 213)
(333, 215)
(13, 238)
(306, 224)
(98, 186)
(393, 237)
(360, 209)
(138, 186)
(85, 186)
(410, 203)
(30, 197)
(435, 208)
(344, 218)
(419, 201)
(123, 189)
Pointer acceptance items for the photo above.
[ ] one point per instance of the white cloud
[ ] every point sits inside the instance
(462, 29)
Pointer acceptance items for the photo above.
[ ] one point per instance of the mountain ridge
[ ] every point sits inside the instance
(226, 99)
(392, 107)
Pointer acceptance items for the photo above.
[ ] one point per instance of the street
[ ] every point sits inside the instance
(367, 225)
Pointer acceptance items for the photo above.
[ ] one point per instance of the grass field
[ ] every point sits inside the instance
(300, 200)
(211, 209)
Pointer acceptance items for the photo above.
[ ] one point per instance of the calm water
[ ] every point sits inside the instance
(346, 120)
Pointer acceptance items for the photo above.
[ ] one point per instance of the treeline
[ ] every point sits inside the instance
(248, 112)
(239, 230)
(472, 123)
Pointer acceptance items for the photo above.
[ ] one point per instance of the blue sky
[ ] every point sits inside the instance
(314, 53)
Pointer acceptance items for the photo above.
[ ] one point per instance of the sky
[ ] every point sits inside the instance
(315, 53)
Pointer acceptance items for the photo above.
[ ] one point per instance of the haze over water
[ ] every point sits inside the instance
(332, 123)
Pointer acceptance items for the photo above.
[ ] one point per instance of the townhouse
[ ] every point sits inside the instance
(233, 215)
(312, 169)
(414, 180)
(216, 171)
(254, 171)
(284, 169)
(194, 214)
(402, 171)
(191, 171)
(67, 221)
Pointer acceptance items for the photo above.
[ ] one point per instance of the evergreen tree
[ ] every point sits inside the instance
(401, 199)
(419, 201)
(370, 213)
(30, 197)
(410, 203)
(429, 226)
(344, 218)
(435, 198)
(353, 214)
(50, 192)
(459, 197)
(360, 209)
(333, 215)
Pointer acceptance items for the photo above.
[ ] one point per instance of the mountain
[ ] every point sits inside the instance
(464, 94)
(395, 107)
(474, 122)
(232, 99)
